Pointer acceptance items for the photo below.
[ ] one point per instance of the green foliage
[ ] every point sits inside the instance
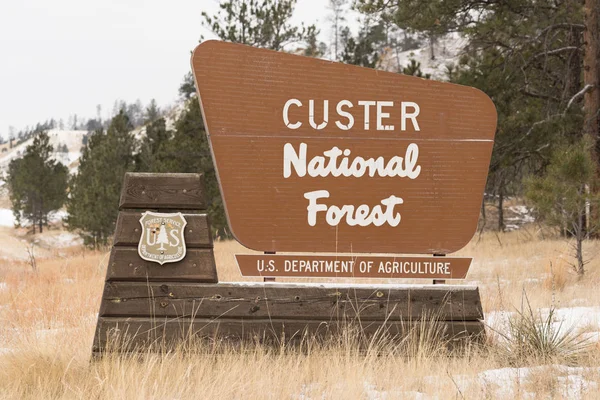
(314, 48)
(153, 147)
(95, 190)
(37, 184)
(364, 49)
(259, 23)
(185, 150)
(563, 196)
(187, 89)
(152, 112)
(560, 196)
(414, 69)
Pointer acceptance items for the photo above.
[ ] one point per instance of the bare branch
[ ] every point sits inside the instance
(578, 95)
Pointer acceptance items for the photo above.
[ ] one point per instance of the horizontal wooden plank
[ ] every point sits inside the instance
(320, 302)
(128, 334)
(163, 191)
(197, 231)
(197, 266)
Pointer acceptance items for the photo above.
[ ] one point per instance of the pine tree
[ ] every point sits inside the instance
(38, 184)
(337, 17)
(153, 149)
(96, 188)
(363, 49)
(152, 112)
(185, 150)
(259, 23)
(414, 69)
(187, 89)
(563, 195)
(162, 237)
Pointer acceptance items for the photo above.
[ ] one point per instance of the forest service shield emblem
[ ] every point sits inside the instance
(162, 239)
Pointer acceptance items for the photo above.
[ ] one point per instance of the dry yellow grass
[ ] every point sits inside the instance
(47, 320)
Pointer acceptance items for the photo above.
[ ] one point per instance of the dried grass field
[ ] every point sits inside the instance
(48, 317)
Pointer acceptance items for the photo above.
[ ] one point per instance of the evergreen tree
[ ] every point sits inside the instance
(414, 69)
(37, 183)
(153, 149)
(314, 48)
(96, 188)
(259, 23)
(563, 195)
(152, 112)
(187, 89)
(185, 150)
(363, 49)
(337, 17)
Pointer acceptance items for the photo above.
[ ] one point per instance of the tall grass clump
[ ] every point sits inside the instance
(538, 338)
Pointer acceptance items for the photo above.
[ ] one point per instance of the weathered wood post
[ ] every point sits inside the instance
(128, 272)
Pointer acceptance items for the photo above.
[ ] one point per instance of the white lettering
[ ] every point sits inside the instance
(366, 104)
(381, 115)
(362, 216)
(286, 108)
(413, 115)
(344, 114)
(311, 114)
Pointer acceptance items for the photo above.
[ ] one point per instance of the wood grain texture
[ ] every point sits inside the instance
(131, 334)
(243, 91)
(458, 303)
(163, 191)
(197, 231)
(125, 264)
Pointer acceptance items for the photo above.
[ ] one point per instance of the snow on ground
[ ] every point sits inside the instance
(59, 240)
(7, 218)
(570, 384)
(72, 139)
(447, 51)
(569, 319)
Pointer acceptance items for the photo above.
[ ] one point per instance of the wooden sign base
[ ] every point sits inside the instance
(146, 304)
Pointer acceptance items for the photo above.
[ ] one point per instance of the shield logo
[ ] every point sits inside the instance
(162, 239)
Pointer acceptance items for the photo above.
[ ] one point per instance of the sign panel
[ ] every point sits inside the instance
(317, 156)
(162, 239)
(311, 266)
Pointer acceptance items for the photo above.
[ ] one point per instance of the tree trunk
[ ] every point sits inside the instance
(501, 206)
(483, 215)
(431, 45)
(591, 73)
(41, 221)
(580, 235)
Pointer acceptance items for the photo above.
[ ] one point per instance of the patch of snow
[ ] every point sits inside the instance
(3, 286)
(575, 317)
(58, 216)
(62, 240)
(566, 319)
(447, 51)
(7, 218)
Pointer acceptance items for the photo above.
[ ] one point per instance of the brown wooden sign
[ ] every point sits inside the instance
(270, 265)
(316, 156)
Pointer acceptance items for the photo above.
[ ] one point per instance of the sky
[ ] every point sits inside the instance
(64, 57)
